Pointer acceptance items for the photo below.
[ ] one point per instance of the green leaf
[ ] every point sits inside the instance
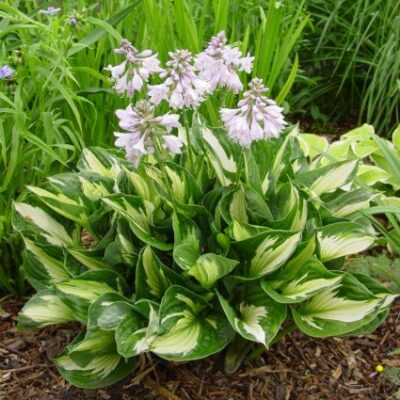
(347, 203)
(151, 276)
(43, 309)
(209, 268)
(328, 178)
(79, 293)
(43, 263)
(50, 229)
(134, 334)
(273, 251)
(92, 361)
(108, 311)
(341, 309)
(189, 329)
(139, 214)
(256, 318)
(310, 279)
(313, 145)
(101, 162)
(98, 33)
(341, 239)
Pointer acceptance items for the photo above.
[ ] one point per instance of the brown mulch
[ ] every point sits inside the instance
(298, 368)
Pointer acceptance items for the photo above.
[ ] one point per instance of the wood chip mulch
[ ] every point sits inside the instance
(296, 368)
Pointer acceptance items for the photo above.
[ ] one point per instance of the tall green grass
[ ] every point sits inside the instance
(61, 100)
(351, 62)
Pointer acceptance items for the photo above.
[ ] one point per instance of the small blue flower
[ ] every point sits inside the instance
(6, 72)
(50, 11)
(73, 21)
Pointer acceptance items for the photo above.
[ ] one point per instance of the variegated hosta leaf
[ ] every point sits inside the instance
(187, 241)
(347, 203)
(310, 279)
(256, 317)
(338, 310)
(72, 195)
(100, 161)
(91, 259)
(79, 293)
(153, 277)
(221, 155)
(121, 250)
(44, 308)
(48, 227)
(371, 174)
(135, 334)
(328, 178)
(92, 361)
(189, 328)
(108, 311)
(303, 253)
(239, 231)
(244, 205)
(143, 186)
(379, 291)
(233, 206)
(267, 251)
(210, 267)
(288, 208)
(139, 214)
(43, 264)
(313, 145)
(341, 239)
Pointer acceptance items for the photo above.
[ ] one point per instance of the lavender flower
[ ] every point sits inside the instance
(50, 11)
(130, 75)
(219, 64)
(181, 87)
(73, 21)
(256, 117)
(143, 129)
(6, 72)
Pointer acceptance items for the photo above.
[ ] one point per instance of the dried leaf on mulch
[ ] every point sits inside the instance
(298, 368)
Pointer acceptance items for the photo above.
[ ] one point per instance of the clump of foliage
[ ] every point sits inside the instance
(201, 238)
(379, 168)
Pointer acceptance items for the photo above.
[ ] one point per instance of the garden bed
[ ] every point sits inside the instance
(296, 368)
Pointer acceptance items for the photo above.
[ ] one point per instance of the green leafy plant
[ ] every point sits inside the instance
(379, 168)
(180, 262)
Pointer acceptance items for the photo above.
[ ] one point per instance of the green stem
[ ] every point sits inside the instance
(189, 143)
(239, 169)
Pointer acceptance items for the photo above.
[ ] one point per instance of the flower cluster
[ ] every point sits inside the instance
(130, 75)
(256, 117)
(143, 130)
(181, 87)
(6, 72)
(186, 81)
(219, 64)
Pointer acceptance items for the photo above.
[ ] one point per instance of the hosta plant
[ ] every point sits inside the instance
(379, 167)
(210, 240)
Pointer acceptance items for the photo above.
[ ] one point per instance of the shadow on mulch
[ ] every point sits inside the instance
(298, 368)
